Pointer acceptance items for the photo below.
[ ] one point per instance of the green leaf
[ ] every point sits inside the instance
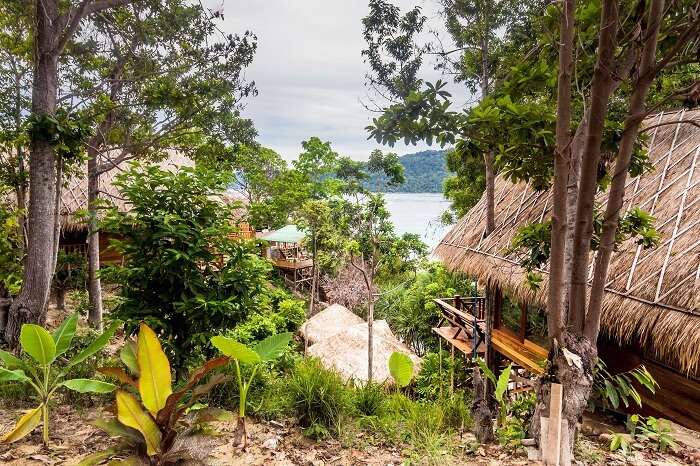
(401, 368)
(611, 393)
(128, 356)
(37, 343)
(272, 346)
(96, 345)
(10, 360)
(235, 350)
(486, 371)
(89, 386)
(16, 375)
(502, 384)
(115, 428)
(98, 457)
(63, 335)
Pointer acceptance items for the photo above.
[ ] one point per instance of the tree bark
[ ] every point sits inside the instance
(30, 305)
(562, 154)
(601, 87)
(490, 193)
(483, 419)
(622, 162)
(93, 244)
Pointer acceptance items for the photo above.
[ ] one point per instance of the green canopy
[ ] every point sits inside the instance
(286, 234)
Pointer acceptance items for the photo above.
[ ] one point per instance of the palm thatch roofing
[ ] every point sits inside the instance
(652, 295)
(74, 197)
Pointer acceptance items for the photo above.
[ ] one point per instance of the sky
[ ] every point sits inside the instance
(309, 72)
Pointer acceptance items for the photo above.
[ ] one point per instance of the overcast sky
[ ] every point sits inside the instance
(309, 71)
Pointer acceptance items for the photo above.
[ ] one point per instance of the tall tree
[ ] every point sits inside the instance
(55, 24)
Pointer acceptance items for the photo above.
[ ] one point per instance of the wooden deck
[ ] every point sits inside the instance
(526, 354)
(463, 342)
(293, 265)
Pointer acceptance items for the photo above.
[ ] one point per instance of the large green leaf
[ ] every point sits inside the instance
(96, 345)
(16, 375)
(24, 426)
(89, 386)
(273, 346)
(486, 371)
(155, 379)
(38, 343)
(401, 368)
(235, 350)
(10, 360)
(63, 335)
(502, 384)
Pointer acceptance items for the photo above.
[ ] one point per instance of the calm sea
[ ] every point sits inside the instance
(418, 213)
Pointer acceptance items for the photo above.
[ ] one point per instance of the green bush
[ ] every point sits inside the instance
(182, 274)
(319, 396)
(433, 382)
(369, 399)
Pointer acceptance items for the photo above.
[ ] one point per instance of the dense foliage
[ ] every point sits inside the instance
(182, 274)
(424, 171)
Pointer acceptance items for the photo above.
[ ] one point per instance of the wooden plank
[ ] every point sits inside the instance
(518, 352)
(551, 452)
(465, 346)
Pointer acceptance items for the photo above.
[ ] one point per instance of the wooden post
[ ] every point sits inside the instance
(551, 440)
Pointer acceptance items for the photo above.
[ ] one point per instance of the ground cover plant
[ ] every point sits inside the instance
(264, 351)
(150, 413)
(48, 375)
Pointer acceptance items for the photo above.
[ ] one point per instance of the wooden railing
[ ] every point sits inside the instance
(467, 314)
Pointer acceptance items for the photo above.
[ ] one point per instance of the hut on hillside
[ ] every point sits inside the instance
(651, 309)
(74, 228)
(289, 256)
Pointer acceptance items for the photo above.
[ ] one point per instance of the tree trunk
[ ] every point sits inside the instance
(601, 87)
(490, 193)
(370, 332)
(30, 305)
(60, 296)
(561, 173)
(483, 418)
(93, 245)
(576, 381)
(622, 162)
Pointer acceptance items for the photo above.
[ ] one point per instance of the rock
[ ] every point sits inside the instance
(533, 454)
(528, 442)
(271, 444)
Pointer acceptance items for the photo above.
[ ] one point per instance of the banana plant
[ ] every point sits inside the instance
(46, 376)
(150, 415)
(501, 387)
(401, 369)
(267, 350)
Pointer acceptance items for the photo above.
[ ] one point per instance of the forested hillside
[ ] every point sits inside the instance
(424, 173)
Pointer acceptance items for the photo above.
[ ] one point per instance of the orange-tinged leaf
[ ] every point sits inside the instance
(154, 370)
(118, 374)
(24, 426)
(130, 414)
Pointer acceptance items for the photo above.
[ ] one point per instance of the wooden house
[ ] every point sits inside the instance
(74, 228)
(651, 308)
(288, 255)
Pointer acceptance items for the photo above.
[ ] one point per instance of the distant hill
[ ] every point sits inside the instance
(424, 173)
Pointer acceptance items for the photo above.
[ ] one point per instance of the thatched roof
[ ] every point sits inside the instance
(652, 296)
(340, 342)
(74, 197)
(330, 321)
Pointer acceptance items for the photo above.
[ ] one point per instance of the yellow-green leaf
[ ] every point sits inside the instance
(154, 369)
(130, 414)
(235, 350)
(24, 426)
(63, 335)
(128, 357)
(37, 343)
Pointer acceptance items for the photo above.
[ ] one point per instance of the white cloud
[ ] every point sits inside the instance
(309, 71)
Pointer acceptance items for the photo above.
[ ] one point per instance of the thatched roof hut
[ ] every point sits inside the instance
(652, 295)
(340, 342)
(74, 197)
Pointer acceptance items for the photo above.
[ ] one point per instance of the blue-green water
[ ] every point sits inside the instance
(418, 213)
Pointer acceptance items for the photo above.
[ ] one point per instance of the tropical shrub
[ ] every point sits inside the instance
(400, 369)
(149, 413)
(71, 272)
(182, 274)
(266, 350)
(319, 396)
(46, 378)
(278, 313)
(500, 384)
(369, 399)
(646, 432)
(437, 371)
(409, 309)
(11, 250)
(611, 390)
